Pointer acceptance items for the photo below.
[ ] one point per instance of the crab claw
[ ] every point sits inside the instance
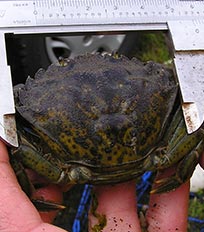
(47, 206)
(48, 198)
(166, 184)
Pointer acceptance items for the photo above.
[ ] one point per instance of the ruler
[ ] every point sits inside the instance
(95, 15)
(183, 19)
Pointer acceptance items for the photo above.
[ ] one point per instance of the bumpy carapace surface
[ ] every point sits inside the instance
(101, 119)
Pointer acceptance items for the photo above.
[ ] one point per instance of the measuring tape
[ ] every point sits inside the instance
(183, 19)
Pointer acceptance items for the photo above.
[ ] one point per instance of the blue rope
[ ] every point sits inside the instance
(82, 212)
(197, 220)
(143, 185)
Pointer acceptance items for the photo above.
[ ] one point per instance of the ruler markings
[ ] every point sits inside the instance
(61, 12)
(93, 3)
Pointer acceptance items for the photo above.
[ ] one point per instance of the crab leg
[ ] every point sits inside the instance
(21, 176)
(32, 159)
(183, 172)
(181, 148)
(27, 187)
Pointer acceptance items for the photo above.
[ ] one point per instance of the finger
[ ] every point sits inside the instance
(11, 192)
(201, 160)
(115, 209)
(14, 200)
(17, 213)
(169, 211)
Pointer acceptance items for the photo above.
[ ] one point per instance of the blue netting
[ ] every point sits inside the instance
(195, 220)
(198, 223)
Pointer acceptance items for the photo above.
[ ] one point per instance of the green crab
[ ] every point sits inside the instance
(103, 120)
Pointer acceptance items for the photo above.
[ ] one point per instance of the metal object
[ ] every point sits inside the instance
(41, 16)
(7, 110)
(71, 16)
(187, 37)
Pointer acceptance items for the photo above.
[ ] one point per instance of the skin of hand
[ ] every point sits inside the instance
(17, 213)
(167, 212)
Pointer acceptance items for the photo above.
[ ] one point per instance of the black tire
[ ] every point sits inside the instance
(26, 54)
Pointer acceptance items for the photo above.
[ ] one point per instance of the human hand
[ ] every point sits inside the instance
(17, 213)
(117, 202)
(166, 212)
